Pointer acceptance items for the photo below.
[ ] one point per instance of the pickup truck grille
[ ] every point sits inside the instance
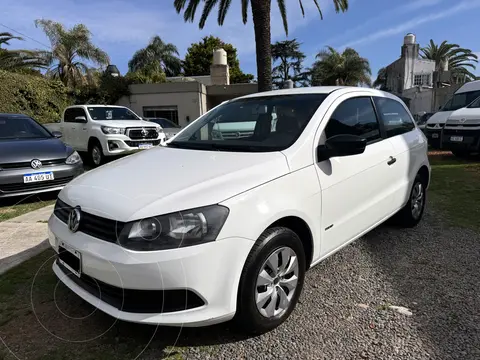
(93, 225)
(142, 133)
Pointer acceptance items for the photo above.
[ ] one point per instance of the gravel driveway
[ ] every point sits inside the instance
(431, 270)
(343, 313)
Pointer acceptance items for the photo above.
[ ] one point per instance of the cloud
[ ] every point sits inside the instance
(409, 25)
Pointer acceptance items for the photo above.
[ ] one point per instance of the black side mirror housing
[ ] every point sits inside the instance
(57, 134)
(341, 145)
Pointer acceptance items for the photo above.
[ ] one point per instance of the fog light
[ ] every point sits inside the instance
(112, 145)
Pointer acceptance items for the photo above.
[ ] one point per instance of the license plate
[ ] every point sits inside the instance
(145, 146)
(434, 136)
(456, 138)
(37, 177)
(70, 258)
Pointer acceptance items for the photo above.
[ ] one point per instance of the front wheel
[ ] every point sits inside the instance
(271, 281)
(411, 214)
(96, 154)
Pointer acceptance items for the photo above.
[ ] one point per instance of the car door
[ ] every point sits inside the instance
(81, 136)
(408, 144)
(357, 190)
(67, 126)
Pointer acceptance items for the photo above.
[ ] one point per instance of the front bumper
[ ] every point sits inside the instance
(120, 144)
(11, 180)
(434, 137)
(209, 272)
(470, 139)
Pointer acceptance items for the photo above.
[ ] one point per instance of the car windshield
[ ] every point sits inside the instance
(461, 100)
(268, 123)
(165, 123)
(475, 104)
(112, 113)
(21, 127)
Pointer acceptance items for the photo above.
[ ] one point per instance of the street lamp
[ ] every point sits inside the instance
(112, 70)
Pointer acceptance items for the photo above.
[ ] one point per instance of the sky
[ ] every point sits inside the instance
(375, 28)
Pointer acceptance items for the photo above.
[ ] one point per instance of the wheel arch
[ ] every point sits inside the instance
(424, 174)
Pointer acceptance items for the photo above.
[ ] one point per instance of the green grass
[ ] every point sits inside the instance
(455, 189)
(13, 207)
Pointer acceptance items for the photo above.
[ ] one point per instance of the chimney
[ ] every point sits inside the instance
(219, 71)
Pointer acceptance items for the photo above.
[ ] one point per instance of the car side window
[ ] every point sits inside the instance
(69, 115)
(355, 116)
(78, 112)
(395, 118)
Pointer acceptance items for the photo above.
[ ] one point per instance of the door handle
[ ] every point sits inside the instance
(85, 128)
(392, 160)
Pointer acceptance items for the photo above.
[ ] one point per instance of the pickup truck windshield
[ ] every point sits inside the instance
(21, 127)
(111, 113)
(257, 124)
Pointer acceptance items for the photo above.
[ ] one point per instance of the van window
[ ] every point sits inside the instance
(461, 100)
(475, 104)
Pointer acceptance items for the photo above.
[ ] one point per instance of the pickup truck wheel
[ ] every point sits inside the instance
(96, 154)
(271, 281)
(411, 214)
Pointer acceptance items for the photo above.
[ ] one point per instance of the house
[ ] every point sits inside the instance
(184, 99)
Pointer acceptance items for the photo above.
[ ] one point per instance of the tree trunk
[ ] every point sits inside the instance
(261, 24)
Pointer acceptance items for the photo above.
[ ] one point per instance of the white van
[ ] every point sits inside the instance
(462, 97)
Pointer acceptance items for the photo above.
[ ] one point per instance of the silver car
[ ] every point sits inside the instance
(169, 127)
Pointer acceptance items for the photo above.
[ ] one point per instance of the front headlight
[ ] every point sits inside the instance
(74, 158)
(175, 230)
(113, 130)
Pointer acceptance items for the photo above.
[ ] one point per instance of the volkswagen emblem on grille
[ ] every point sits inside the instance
(74, 219)
(463, 120)
(144, 132)
(36, 164)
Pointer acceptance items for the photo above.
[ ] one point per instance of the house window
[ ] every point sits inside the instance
(421, 79)
(166, 112)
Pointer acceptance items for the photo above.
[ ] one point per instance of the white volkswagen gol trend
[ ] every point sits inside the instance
(207, 229)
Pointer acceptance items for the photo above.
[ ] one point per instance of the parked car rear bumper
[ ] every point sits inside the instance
(11, 180)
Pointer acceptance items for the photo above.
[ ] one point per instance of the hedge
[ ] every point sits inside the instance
(35, 96)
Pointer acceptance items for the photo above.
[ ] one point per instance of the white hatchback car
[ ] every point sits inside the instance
(208, 229)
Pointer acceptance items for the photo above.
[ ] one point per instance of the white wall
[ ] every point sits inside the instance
(419, 100)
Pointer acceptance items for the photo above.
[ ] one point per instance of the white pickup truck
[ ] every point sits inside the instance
(107, 130)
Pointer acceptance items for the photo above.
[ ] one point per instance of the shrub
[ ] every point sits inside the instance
(35, 96)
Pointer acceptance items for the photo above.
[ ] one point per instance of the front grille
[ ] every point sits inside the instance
(137, 301)
(463, 125)
(227, 135)
(136, 143)
(139, 133)
(93, 225)
(35, 186)
(22, 165)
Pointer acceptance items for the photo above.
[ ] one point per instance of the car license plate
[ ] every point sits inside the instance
(37, 177)
(145, 146)
(434, 136)
(456, 138)
(70, 258)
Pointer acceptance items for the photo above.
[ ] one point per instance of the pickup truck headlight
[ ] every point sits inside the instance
(175, 230)
(113, 130)
(74, 158)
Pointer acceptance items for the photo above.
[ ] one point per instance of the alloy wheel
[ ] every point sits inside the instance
(417, 200)
(277, 282)
(96, 155)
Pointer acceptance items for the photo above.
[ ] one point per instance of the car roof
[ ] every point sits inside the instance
(96, 105)
(13, 115)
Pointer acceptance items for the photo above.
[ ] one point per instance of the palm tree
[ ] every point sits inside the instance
(291, 62)
(261, 24)
(157, 53)
(69, 48)
(459, 59)
(19, 60)
(381, 81)
(334, 68)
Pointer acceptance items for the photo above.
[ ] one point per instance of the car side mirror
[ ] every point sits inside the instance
(341, 145)
(57, 134)
(81, 119)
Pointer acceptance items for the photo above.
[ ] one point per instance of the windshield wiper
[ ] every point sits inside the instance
(220, 147)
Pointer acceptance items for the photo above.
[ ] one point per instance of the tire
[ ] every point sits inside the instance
(410, 215)
(95, 154)
(255, 318)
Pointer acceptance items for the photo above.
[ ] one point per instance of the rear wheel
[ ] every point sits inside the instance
(96, 154)
(411, 214)
(271, 281)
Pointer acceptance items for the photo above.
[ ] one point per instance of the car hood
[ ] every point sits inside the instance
(13, 151)
(127, 123)
(164, 180)
(171, 130)
(467, 114)
(439, 117)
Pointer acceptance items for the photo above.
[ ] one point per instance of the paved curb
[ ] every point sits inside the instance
(17, 259)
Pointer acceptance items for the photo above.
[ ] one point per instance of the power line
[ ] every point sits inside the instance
(28, 37)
